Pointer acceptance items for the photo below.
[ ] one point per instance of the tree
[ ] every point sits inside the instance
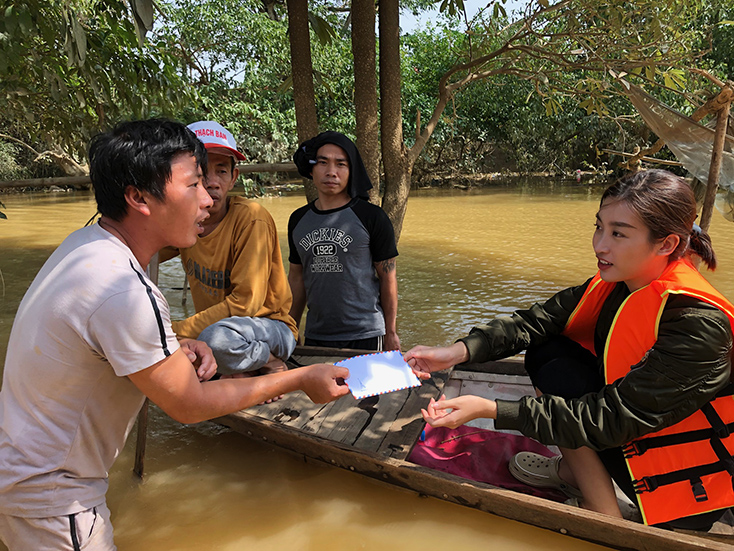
(721, 19)
(573, 48)
(235, 52)
(61, 69)
(365, 90)
(302, 77)
(251, 84)
(498, 124)
(396, 160)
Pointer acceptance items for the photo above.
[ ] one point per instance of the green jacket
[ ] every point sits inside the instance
(689, 363)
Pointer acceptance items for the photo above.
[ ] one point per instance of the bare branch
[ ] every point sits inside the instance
(20, 142)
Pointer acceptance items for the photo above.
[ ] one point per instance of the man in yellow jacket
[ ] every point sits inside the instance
(235, 271)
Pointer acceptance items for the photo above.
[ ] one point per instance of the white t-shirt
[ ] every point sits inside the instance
(90, 318)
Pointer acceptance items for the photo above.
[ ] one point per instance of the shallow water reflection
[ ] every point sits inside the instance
(464, 257)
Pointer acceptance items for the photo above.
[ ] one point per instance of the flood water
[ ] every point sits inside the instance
(465, 257)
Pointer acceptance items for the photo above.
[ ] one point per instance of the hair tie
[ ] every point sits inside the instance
(696, 229)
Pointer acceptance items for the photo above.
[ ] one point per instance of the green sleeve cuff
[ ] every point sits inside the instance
(508, 415)
(474, 343)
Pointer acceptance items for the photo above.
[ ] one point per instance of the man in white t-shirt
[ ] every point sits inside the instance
(92, 338)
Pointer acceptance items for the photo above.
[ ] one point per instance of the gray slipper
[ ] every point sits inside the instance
(541, 472)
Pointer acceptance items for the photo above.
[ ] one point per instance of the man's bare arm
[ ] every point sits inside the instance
(387, 273)
(298, 289)
(173, 385)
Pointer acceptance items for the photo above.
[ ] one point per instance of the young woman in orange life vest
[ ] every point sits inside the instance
(632, 368)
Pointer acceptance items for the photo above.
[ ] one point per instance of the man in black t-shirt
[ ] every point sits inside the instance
(342, 252)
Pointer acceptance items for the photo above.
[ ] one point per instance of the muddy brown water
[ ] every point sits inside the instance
(464, 257)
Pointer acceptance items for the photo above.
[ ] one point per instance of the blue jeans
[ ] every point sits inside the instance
(243, 344)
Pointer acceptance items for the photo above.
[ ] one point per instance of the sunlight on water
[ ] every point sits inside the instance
(465, 257)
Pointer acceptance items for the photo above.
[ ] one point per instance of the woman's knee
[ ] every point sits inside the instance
(562, 367)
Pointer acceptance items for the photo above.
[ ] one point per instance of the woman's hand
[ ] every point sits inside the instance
(424, 360)
(458, 411)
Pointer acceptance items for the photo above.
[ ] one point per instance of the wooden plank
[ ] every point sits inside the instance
(391, 427)
(308, 412)
(339, 353)
(404, 432)
(308, 421)
(316, 420)
(141, 440)
(346, 420)
(295, 409)
(507, 366)
(310, 360)
(571, 521)
(384, 413)
(500, 389)
(139, 465)
(491, 377)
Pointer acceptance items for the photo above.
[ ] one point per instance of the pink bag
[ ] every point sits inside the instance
(481, 455)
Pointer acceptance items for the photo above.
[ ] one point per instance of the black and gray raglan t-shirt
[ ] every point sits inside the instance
(337, 249)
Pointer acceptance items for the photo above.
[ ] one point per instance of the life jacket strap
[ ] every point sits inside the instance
(692, 474)
(718, 429)
(638, 447)
(725, 458)
(652, 483)
(717, 423)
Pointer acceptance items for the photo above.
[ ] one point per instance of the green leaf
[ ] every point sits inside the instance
(25, 22)
(286, 85)
(80, 41)
(11, 20)
(323, 30)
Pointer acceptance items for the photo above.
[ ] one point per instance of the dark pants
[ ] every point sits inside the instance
(564, 368)
(372, 343)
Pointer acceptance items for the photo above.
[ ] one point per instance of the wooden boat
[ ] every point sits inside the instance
(375, 435)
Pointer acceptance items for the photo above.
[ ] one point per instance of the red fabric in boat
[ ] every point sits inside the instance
(479, 454)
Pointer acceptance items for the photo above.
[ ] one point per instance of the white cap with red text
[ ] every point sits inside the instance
(216, 138)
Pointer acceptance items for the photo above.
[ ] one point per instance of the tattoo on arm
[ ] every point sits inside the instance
(388, 265)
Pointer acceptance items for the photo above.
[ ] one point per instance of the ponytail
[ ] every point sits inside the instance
(700, 245)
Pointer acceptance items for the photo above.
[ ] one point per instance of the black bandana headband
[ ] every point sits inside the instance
(305, 157)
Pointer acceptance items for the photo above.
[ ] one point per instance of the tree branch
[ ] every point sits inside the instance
(20, 142)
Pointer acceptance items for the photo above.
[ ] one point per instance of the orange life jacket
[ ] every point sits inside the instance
(685, 469)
